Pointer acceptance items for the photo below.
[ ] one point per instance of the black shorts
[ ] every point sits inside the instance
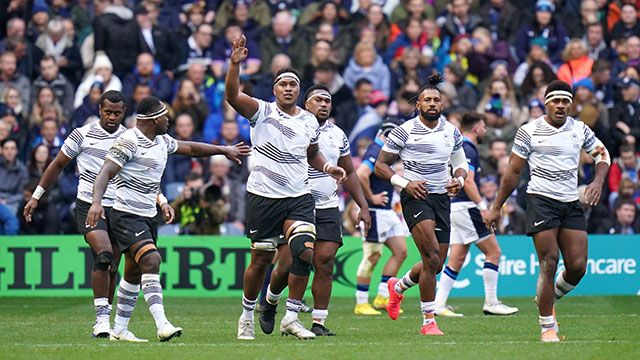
(266, 216)
(129, 229)
(436, 207)
(82, 209)
(328, 225)
(545, 213)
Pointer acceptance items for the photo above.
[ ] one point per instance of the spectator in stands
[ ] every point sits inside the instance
(625, 115)
(189, 101)
(577, 22)
(320, 52)
(179, 166)
(45, 99)
(46, 217)
(89, 106)
(376, 18)
(502, 19)
(413, 36)
(200, 209)
(596, 45)
(192, 16)
(624, 221)
(499, 125)
(459, 21)
(57, 44)
(497, 150)
(627, 189)
(39, 19)
(159, 39)
(348, 112)
(538, 74)
(15, 27)
(631, 56)
(146, 72)
(455, 74)
(52, 78)
(264, 85)
(116, 32)
(370, 121)
(38, 161)
(626, 165)
(406, 9)
(197, 48)
(257, 12)
(102, 71)
(18, 129)
(230, 134)
(233, 194)
(49, 136)
(13, 175)
(628, 25)
(544, 31)
(140, 92)
(367, 64)
(222, 51)
(504, 92)
(601, 79)
(280, 39)
(577, 65)
(409, 65)
(485, 52)
(9, 77)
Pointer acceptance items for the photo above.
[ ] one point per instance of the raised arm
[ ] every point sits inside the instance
(49, 177)
(198, 149)
(352, 184)
(507, 185)
(242, 103)
(107, 172)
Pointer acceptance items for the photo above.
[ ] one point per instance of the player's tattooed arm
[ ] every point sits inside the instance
(383, 170)
(382, 167)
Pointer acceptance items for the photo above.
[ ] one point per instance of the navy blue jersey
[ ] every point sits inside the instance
(377, 185)
(473, 160)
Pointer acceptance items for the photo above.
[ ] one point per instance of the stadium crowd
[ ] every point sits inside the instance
(57, 57)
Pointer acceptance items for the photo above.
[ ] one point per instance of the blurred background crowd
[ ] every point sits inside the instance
(57, 57)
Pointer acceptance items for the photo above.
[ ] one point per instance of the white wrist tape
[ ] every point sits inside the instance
(482, 205)
(461, 181)
(162, 199)
(37, 194)
(326, 167)
(398, 180)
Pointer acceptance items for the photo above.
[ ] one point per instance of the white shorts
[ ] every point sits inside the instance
(466, 224)
(385, 224)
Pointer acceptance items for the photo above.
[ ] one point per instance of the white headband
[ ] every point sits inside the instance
(558, 94)
(289, 75)
(157, 114)
(322, 94)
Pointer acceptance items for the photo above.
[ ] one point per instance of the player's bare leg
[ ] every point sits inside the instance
(546, 244)
(433, 256)
(323, 261)
(104, 255)
(398, 247)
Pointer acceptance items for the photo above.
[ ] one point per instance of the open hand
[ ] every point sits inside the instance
(417, 189)
(239, 149)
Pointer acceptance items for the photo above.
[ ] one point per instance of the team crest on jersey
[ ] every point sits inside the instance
(574, 138)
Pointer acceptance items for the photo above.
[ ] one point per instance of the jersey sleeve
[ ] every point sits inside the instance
(396, 141)
(259, 115)
(172, 144)
(122, 150)
(457, 139)
(345, 149)
(522, 143)
(315, 128)
(589, 143)
(72, 146)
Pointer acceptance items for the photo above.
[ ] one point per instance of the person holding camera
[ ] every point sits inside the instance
(199, 209)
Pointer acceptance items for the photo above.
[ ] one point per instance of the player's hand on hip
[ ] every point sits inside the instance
(237, 150)
(30, 208)
(453, 188)
(240, 52)
(168, 213)
(492, 219)
(95, 213)
(417, 189)
(365, 218)
(337, 173)
(380, 199)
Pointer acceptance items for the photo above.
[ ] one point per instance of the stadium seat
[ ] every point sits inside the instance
(173, 190)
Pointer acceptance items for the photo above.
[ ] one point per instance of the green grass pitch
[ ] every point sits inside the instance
(596, 327)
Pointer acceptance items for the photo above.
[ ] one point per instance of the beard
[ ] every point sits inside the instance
(430, 117)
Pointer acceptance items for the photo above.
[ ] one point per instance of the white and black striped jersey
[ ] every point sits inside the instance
(142, 163)
(333, 144)
(553, 155)
(425, 152)
(280, 143)
(89, 145)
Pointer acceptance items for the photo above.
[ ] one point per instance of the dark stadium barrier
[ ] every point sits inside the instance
(214, 266)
